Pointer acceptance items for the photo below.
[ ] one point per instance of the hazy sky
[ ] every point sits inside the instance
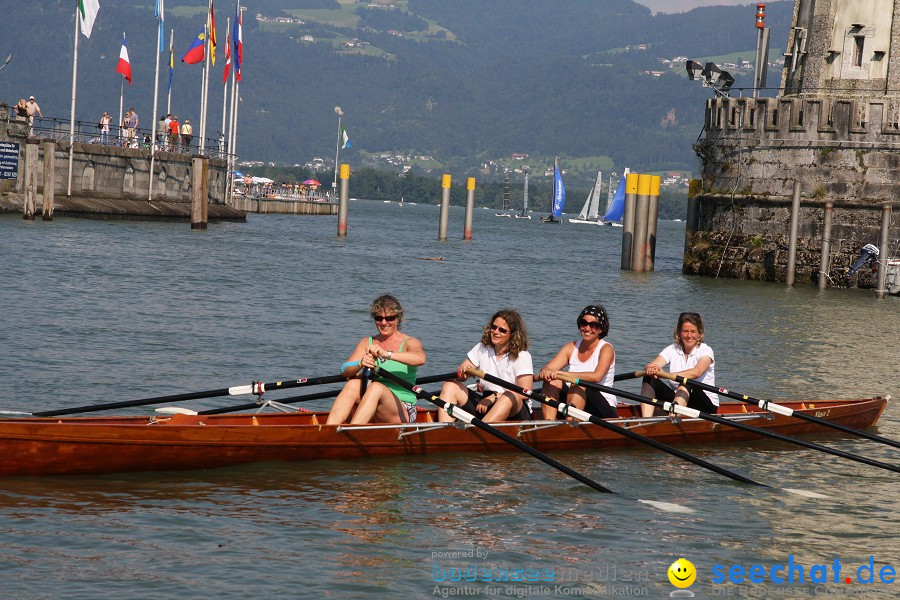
(674, 6)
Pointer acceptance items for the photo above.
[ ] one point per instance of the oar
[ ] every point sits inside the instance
(462, 415)
(317, 396)
(257, 387)
(629, 375)
(695, 414)
(778, 408)
(568, 409)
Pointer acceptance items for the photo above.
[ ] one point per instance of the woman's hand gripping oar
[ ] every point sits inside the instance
(569, 410)
(777, 408)
(257, 387)
(696, 414)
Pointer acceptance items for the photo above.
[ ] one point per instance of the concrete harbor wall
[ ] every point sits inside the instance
(109, 181)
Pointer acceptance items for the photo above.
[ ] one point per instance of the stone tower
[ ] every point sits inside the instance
(833, 128)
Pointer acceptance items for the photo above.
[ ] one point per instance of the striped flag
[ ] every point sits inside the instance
(212, 33)
(238, 39)
(171, 61)
(195, 53)
(87, 14)
(344, 138)
(227, 58)
(124, 66)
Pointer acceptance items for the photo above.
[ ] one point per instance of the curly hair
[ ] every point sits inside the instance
(688, 317)
(518, 335)
(387, 305)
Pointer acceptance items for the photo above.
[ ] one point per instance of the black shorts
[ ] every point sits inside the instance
(596, 403)
(475, 397)
(698, 399)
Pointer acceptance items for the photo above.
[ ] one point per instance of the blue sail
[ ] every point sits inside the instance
(617, 208)
(559, 191)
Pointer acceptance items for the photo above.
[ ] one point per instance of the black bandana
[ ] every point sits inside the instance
(597, 310)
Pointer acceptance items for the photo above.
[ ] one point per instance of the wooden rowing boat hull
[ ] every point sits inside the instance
(94, 445)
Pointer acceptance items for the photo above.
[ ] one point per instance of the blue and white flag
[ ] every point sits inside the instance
(160, 8)
(559, 191)
(343, 138)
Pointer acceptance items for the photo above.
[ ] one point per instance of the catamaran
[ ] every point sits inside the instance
(559, 196)
(590, 212)
(505, 211)
(524, 214)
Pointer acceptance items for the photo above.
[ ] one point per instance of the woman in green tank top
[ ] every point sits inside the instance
(393, 351)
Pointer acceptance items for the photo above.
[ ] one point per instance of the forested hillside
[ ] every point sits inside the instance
(462, 81)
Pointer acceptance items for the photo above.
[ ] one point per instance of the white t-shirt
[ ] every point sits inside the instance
(677, 361)
(502, 367)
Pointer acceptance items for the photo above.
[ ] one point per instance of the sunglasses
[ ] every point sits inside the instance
(595, 325)
(502, 330)
(388, 318)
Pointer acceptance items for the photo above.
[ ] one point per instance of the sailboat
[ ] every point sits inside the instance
(590, 212)
(505, 211)
(524, 214)
(559, 196)
(616, 206)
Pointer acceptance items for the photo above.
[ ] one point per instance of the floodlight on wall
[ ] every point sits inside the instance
(720, 81)
(694, 69)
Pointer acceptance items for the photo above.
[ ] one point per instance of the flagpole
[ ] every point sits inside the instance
(155, 108)
(121, 102)
(171, 49)
(72, 117)
(224, 96)
(231, 122)
(205, 95)
(337, 150)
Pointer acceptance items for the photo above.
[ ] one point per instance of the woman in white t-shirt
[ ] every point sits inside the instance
(503, 353)
(592, 359)
(687, 357)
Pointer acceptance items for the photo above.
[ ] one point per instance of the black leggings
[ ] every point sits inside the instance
(596, 403)
(697, 400)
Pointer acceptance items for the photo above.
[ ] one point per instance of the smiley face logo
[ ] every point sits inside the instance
(682, 573)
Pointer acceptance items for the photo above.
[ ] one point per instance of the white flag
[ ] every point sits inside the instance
(87, 13)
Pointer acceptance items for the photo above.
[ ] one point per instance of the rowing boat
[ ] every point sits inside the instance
(95, 445)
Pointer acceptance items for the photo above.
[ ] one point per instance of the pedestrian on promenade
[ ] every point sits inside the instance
(31, 108)
(187, 134)
(133, 123)
(105, 120)
(174, 143)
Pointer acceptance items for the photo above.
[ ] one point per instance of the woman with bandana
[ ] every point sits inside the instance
(591, 359)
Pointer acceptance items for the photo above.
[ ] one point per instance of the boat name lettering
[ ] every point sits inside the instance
(822, 413)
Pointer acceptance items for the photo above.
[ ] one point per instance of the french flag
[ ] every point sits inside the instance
(238, 42)
(124, 66)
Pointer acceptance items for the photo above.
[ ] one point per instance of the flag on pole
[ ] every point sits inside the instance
(124, 66)
(195, 53)
(227, 58)
(171, 61)
(160, 8)
(238, 42)
(212, 33)
(87, 13)
(344, 139)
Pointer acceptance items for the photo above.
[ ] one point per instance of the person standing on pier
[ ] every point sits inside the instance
(133, 123)
(32, 107)
(187, 135)
(174, 131)
(105, 121)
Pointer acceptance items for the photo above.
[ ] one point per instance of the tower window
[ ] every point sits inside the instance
(858, 43)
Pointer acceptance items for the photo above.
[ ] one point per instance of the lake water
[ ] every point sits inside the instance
(103, 311)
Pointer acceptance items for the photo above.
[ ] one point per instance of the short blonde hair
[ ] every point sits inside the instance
(387, 304)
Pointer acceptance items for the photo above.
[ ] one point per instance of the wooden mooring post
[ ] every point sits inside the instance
(199, 191)
(792, 239)
(825, 260)
(30, 188)
(883, 249)
(49, 179)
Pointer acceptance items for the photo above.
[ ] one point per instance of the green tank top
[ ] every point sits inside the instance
(405, 372)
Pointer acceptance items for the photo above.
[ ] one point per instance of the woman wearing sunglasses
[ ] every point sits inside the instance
(393, 351)
(687, 357)
(592, 359)
(503, 353)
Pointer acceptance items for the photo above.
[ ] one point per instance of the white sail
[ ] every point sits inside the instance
(591, 209)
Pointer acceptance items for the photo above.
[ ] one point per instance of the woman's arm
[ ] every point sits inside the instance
(353, 364)
(656, 365)
(412, 354)
(698, 370)
(557, 363)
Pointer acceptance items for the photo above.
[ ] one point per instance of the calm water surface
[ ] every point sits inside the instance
(105, 311)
